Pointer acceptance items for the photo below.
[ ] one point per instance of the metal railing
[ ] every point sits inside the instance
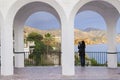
(100, 57)
(92, 58)
(50, 59)
(54, 58)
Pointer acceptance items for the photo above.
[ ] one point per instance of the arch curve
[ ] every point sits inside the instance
(49, 4)
(102, 7)
(31, 8)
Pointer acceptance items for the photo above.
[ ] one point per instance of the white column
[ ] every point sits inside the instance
(19, 46)
(6, 49)
(67, 50)
(112, 55)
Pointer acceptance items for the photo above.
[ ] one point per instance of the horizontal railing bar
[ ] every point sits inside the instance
(18, 52)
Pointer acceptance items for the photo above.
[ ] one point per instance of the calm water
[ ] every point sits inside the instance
(99, 57)
(97, 48)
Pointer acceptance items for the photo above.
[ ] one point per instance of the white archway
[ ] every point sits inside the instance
(18, 25)
(17, 16)
(108, 10)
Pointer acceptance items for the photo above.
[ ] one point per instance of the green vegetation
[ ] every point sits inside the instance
(39, 47)
(95, 63)
(33, 36)
(48, 41)
(89, 62)
(118, 64)
(42, 49)
(77, 60)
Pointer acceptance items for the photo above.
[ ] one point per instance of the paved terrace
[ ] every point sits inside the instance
(54, 73)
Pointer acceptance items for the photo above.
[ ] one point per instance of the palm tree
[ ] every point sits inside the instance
(48, 40)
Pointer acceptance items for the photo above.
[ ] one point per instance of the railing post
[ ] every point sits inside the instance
(19, 59)
(112, 59)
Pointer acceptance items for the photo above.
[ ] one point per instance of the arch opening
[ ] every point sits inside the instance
(19, 21)
(110, 15)
(91, 27)
(43, 23)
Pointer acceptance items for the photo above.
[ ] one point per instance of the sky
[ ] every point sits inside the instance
(87, 19)
(43, 21)
(83, 20)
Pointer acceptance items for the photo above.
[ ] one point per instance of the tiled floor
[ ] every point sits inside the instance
(54, 73)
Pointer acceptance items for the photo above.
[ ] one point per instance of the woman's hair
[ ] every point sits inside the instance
(83, 42)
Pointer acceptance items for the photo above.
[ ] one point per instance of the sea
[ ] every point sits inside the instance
(98, 52)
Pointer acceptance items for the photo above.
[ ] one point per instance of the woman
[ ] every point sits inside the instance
(81, 48)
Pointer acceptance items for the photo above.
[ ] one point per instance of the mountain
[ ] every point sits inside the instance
(57, 33)
(28, 30)
(91, 29)
(89, 35)
(95, 32)
(81, 34)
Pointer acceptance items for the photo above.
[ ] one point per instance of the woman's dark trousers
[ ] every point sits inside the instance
(82, 60)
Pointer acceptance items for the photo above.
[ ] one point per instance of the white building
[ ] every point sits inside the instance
(13, 14)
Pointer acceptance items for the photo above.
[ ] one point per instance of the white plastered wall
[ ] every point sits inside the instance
(1, 24)
(66, 9)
